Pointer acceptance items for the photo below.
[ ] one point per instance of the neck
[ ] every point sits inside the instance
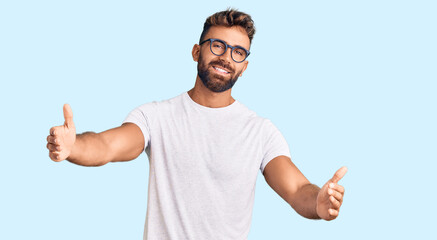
(205, 97)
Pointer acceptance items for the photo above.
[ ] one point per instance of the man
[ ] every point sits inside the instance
(205, 148)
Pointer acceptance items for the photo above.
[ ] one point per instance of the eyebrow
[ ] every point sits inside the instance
(233, 45)
(241, 47)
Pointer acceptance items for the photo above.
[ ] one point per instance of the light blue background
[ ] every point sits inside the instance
(347, 82)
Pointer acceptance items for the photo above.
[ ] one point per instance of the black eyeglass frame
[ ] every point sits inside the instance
(226, 48)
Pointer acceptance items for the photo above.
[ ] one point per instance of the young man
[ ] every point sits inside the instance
(205, 148)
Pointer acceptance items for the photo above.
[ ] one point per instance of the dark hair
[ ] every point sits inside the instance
(229, 18)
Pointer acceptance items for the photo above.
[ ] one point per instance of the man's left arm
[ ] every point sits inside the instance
(306, 199)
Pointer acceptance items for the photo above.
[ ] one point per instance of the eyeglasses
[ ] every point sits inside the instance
(219, 47)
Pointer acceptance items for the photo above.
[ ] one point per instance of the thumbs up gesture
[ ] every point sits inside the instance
(330, 197)
(61, 139)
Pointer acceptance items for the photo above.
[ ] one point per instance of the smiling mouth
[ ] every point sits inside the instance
(220, 70)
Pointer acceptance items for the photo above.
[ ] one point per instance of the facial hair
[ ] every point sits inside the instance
(215, 82)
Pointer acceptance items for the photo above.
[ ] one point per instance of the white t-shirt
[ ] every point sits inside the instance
(204, 164)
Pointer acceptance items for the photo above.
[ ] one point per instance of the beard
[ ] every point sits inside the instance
(213, 81)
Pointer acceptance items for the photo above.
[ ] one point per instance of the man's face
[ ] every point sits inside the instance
(219, 73)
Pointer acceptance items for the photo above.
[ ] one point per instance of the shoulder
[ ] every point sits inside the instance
(252, 116)
(156, 105)
(153, 111)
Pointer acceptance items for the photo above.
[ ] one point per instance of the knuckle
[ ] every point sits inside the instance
(333, 213)
(334, 201)
(52, 131)
(51, 148)
(337, 204)
(51, 140)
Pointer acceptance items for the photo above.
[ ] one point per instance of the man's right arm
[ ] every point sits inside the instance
(122, 143)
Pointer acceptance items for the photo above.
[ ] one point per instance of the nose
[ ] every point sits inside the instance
(227, 55)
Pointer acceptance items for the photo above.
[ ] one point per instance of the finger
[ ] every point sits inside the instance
(52, 139)
(335, 194)
(52, 131)
(337, 187)
(68, 115)
(334, 203)
(54, 156)
(333, 212)
(55, 130)
(50, 147)
(53, 147)
(339, 174)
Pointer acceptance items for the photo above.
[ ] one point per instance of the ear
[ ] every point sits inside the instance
(196, 52)
(244, 67)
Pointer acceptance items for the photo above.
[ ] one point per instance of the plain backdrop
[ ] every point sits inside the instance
(348, 83)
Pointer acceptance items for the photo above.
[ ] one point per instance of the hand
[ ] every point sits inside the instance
(61, 139)
(330, 197)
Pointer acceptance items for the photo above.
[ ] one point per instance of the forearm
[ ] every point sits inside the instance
(305, 201)
(89, 149)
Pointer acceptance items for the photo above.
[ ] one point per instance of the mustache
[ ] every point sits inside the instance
(223, 64)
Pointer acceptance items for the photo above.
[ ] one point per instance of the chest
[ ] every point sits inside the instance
(208, 148)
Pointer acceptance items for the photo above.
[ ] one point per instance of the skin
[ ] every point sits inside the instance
(126, 142)
(233, 36)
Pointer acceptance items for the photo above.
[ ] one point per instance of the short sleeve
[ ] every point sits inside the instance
(274, 144)
(141, 117)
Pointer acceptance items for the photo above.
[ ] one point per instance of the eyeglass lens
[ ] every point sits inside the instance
(219, 48)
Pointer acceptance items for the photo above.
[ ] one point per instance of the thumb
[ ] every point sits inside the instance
(339, 174)
(68, 116)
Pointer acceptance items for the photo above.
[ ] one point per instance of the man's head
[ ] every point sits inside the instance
(219, 69)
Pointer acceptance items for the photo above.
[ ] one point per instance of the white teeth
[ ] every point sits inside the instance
(220, 70)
